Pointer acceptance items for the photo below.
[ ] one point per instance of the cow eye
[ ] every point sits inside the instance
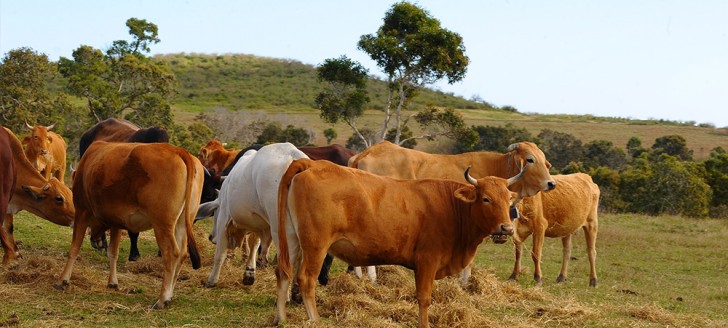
(60, 200)
(486, 200)
(530, 160)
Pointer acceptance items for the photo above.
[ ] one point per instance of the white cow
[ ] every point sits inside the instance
(248, 202)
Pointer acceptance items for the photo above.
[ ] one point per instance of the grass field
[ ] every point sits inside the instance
(653, 272)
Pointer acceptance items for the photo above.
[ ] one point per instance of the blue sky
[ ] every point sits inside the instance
(620, 58)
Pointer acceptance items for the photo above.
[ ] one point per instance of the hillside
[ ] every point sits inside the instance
(237, 81)
(285, 89)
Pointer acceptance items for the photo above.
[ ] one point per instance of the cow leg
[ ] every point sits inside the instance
(323, 277)
(590, 233)
(113, 255)
(309, 269)
(79, 231)
(8, 239)
(566, 255)
(265, 242)
(282, 283)
(539, 234)
(424, 279)
(358, 272)
(181, 239)
(133, 248)
(170, 252)
(221, 251)
(249, 274)
(465, 275)
(372, 273)
(518, 240)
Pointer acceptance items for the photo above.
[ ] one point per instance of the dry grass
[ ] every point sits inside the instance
(487, 301)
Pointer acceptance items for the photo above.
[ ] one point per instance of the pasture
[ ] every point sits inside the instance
(653, 272)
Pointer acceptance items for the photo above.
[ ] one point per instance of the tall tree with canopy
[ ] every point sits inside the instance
(413, 50)
(123, 81)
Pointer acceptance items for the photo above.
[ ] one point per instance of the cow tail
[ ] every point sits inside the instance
(189, 212)
(284, 259)
(354, 160)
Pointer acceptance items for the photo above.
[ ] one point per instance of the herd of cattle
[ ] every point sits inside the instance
(386, 205)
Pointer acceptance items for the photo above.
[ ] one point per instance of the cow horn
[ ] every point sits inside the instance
(512, 147)
(30, 127)
(470, 179)
(50, 126)
(513, 179)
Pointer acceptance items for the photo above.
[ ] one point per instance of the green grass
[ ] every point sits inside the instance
(653, 271)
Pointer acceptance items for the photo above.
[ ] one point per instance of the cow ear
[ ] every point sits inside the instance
(33, 192)
(466, 194)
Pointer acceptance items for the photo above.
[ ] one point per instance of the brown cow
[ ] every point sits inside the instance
(558, 214)
(48, 199)
(388, 159)
(118, 130)
(7, 183)
(216, 158)
(138, 187)
(430, 226)
(46, 150)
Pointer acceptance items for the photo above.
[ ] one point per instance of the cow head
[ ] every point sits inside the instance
(39, 141)
(53, 201)
(490, 202)
(209, 153)
(527, 155)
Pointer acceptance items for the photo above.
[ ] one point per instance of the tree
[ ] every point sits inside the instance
(24, 96)
(345, 95)
(598, 153)
(330, 134)
(673, 145)
(560, 148)
(634, 147)
(413, 50)
(273, 133)
(123, 82)
(498, 138)
(716, 168)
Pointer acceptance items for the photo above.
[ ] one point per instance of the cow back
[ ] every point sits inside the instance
(117, 130)
(335, 153)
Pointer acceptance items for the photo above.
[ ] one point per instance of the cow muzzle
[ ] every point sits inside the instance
(501, 236)
(550, 185)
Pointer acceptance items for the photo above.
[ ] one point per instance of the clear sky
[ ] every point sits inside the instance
(641, 59)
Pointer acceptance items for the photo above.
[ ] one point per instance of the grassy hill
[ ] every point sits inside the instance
(285, 90)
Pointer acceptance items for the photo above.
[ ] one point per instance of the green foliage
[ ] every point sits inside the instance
(498, 138)
(356, 144)
(330, 134)
(560, 148)
(24, 96)
(599, 153)
(408, 141)
(634, 147)
(666, 186)
(413, 50)
(123, 82)
(435, 123)
(608, 181)
(716, 168)
(673, 145)
(192, 137)
(345, 95)
(273, 133)
(574, 167)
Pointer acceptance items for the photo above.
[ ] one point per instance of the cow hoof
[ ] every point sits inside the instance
(513, 277)
(61, 286)
(160, 305)
(323, 281)
(296, 296)
(560, 279)
(133, 258)
(593, 282)
(248, 280)
(112, 286)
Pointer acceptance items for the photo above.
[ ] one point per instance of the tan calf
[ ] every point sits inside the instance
(558, 214)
